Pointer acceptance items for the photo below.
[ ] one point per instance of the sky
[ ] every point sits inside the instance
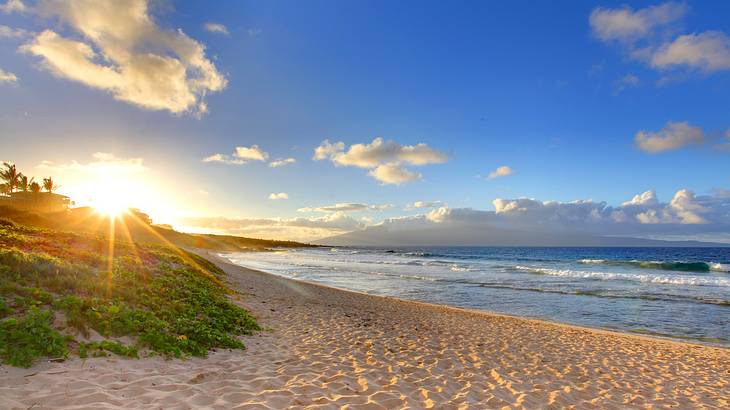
(301, 120)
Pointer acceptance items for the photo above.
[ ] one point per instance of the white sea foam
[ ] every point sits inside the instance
(635, 277)
(719, 267)
(592, 261)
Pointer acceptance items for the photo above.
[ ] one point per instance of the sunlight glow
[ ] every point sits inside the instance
(111, 201)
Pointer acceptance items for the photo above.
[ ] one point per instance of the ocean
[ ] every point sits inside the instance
(680, 293)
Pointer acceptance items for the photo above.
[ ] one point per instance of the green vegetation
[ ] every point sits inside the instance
(57, 286)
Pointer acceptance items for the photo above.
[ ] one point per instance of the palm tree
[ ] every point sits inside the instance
(34, 187)
(48, 184)
(11, 176)
(24, 183)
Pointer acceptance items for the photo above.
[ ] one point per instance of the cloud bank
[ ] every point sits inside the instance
(346, 207)
(686, 215)
(385, 159)
(298, 229)
(124, 52)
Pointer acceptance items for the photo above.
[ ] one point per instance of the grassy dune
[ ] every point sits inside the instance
(61, 294)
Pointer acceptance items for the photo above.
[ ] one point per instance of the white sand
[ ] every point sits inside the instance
(327, 348)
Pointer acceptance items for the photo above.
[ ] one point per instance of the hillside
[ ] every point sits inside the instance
(136, 226)
(71, 293)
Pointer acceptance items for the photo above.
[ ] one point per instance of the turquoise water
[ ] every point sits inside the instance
(681, 293)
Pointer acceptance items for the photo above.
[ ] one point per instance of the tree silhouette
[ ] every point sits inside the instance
(34, 187)
(24, 183)
(11, 177)
(48, 184)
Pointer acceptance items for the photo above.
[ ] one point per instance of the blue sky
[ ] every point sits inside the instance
(528, 85)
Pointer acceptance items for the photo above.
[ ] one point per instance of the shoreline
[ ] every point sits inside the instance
(325, 347)
(617, 332)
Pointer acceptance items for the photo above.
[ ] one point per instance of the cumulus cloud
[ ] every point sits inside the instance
(216, 28)
(7, 77)
(298, 229)
(125, 53)
(13, 6)
(346, 207)
(394, 174)
(502, 171)
(685, 208)
(253, 153)
(708, 52)
(625, 24)
(674, 135)
(646, 198)
(240, 156)
(103, 163)
(385, 159)
(650, 35)
(280, 162)
(278, 195)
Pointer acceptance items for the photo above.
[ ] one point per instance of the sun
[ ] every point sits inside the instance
(111, 201)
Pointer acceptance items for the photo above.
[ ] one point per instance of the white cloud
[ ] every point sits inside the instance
(423, 204)
(216, 28)
(225, 159)
(13, 6)
(687, 215)
(346, 207)
(650, 35)
(674, 135)
(280, 162)
(502, 171)
(708, 52)
(103, 163)
(7, 77)
(394, 174)
(254, 32)
(646, 198)
(685, 208)
(253, 153)
(125, 53)
(278, 195)
(9, 32)
(240, 156)
(385, 159)
(327, 150)
(625, 24)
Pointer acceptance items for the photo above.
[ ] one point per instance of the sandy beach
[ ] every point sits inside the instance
(329, 348)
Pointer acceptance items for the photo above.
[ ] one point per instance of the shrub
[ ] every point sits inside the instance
(24, 339)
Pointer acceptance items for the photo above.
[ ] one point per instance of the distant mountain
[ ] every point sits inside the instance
(461, 236)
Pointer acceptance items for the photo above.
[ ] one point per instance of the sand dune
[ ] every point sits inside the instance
(327, 348)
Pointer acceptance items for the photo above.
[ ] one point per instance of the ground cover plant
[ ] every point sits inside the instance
(65, 293)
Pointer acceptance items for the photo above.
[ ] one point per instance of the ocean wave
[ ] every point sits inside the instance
(634, 277)
(601, 293)
(662, 265)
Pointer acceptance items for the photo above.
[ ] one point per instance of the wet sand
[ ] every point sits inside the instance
(329, 348)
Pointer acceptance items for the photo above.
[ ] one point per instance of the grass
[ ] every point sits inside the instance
(56, 286)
